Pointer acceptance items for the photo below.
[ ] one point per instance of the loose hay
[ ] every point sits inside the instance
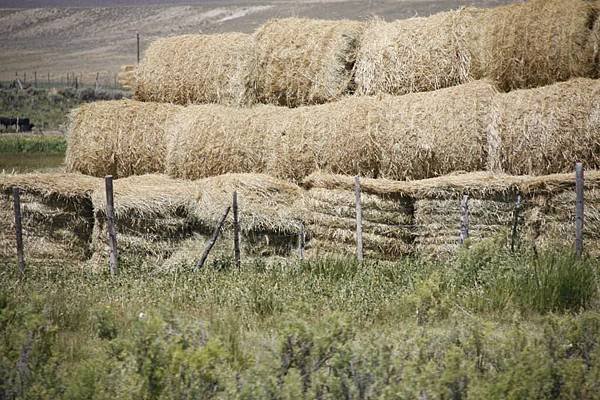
(126, 76)
(303, 61)
(415, 54)
(197, 69)
(537, 42)
(545, 130)
(118, 138)
(56, 214)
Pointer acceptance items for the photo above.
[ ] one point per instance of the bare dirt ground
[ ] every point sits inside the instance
(84, 40)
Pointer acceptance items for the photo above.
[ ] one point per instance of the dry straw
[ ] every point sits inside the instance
(536, 43)
(415, 54)
(198, 69)
(119, 138)
(304, 61)
(545, 130)
(126, 76)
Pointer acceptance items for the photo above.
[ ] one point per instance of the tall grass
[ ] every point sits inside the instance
(32, 144)
(488, 324)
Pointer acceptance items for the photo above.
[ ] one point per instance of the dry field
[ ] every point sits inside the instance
(84, 40)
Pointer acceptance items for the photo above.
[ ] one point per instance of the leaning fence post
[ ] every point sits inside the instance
(359, 236)
(212, 240)
(19, 229)
(464, 219)
(579, 204)
(236, 231)
(110, 221)
(301, 241)
(515, 223)
(137, 35)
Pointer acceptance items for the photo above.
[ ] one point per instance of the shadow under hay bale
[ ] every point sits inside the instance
(304, 61)
(118, 138)
(544, 130)
(415, 54)
(56, 214)
(195, 69)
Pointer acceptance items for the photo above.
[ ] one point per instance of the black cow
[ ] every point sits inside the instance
(22, 124)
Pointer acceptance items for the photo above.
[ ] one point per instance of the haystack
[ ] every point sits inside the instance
(126, 76)
(331, 220)
(211, 140)
(415, 54)
(545, 130)
(118, 138)
(537, 42)
(197, 69)
(304, 61)
(423, 135)
(56, 213)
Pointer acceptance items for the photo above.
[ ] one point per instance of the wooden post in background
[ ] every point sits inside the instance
(137, 36)
(515, 224)
(579, 204)
(359, 237)
(236, 231)
(301, 241)
(464, 219)
(35, 79)
(97, 78)
(212, 240)
(19, 229)
(48, 79)
(110, 222)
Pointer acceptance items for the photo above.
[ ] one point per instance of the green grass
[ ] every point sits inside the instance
(32, 144)
(488, 324)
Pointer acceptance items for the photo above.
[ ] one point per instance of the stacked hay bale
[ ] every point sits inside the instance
(415, 54)
(550, 219)
(270, 210)
(164, 221)
(545, 130)
(152, 218)
(537, 42)
(198, 69)
(438, 210)
(211, 140)
(56, 214)
(304, 61)
(330, 217)
(126, 76)
(423, 135)
(118, 138)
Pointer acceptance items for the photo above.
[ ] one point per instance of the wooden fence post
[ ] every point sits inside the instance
(359, 236)
(301, 241)
(236, 231)
(464, 219)
(515, 224)
(110, 221)
(19, 229)
(35, 79)
(212, 241)
(137, 35)
(579, 204)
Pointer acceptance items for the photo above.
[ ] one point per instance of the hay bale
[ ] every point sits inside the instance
(304, 61)
(550, 220)
(126, 76)
(545, 130)
(197, 69)
(56, 214)
(152, 218)
(415, 54)
(118, 138)
(537, 42)
(422, 135)
(211, 140)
